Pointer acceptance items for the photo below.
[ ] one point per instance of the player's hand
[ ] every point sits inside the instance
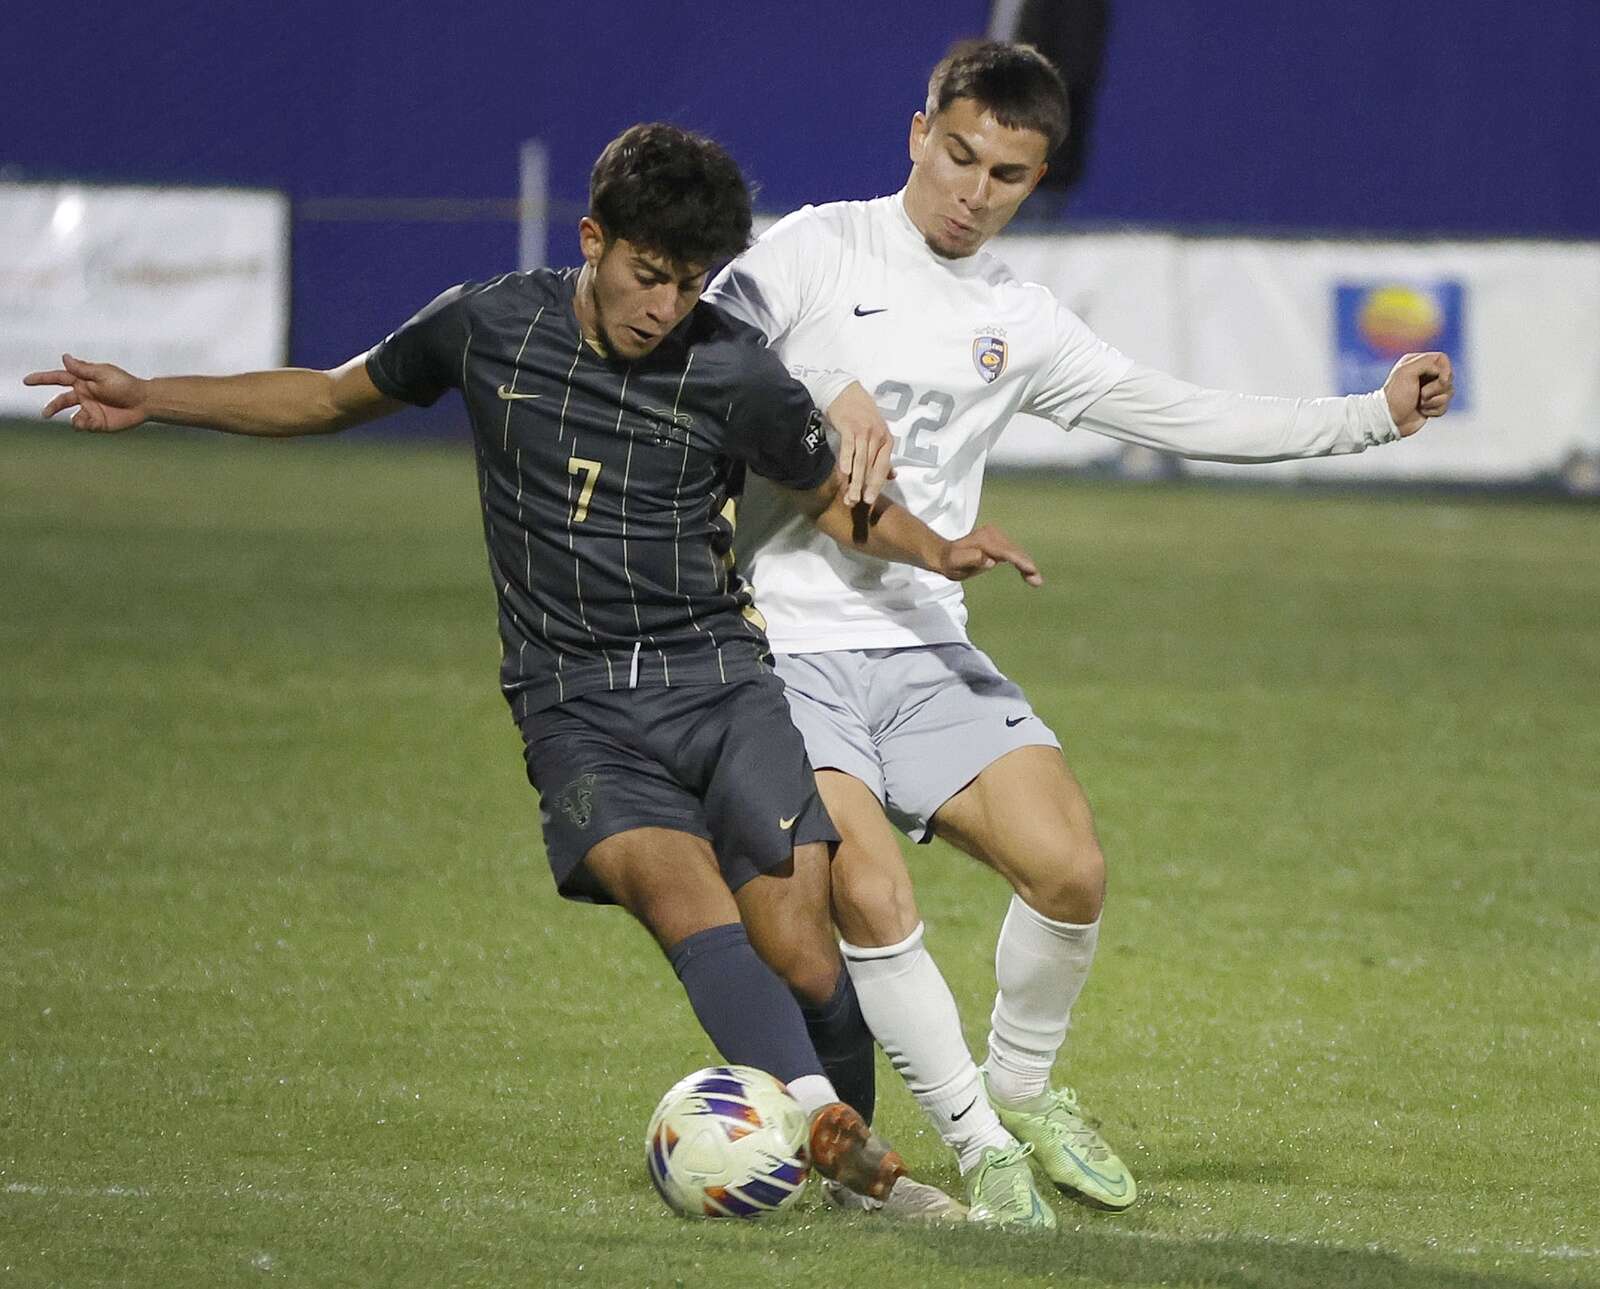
(1420, 386)
(984, 548)
(108, 399)
(865, 444)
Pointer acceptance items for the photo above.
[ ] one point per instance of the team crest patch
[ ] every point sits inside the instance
(576, 800)
(667, 427)
(989, 357)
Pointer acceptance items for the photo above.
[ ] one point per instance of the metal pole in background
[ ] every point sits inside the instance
(533, 243)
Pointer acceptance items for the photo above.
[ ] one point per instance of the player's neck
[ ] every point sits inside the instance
(587, 311)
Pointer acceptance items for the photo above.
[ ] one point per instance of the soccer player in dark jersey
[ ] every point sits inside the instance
(614, 416)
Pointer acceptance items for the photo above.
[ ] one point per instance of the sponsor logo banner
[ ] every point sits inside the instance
(1378, 321)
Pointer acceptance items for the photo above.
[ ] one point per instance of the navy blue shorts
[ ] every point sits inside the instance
(722, 762)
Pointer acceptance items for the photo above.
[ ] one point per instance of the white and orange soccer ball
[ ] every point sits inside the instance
(728, 1141)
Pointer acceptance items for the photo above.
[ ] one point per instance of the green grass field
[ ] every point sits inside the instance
(286, 995)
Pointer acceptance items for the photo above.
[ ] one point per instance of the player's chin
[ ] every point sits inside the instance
(958, 247)
(633, 344)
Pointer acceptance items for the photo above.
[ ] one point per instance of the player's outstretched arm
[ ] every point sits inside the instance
(273, 404)
(891, 532)
(1155, 410)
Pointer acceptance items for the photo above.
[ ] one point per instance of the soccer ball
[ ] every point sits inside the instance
(728, 1141)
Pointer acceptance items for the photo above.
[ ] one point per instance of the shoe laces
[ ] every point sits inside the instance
(1011, 1162)
(1065, 1115)
(1010, 1156)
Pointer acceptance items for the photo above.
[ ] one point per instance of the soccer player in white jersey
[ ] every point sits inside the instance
(891, 311)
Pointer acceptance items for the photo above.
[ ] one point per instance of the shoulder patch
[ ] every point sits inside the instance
(815, 435)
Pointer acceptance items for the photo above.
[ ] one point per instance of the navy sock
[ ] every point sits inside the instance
(741, 1004)
(844, 1044)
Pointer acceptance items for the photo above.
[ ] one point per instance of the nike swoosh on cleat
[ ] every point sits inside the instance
(1013, 721)
(867, 313)
(964, 1109)
(1117, 1186)
(788, 823)
(507, 394)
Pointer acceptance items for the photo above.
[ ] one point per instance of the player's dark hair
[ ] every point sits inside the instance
(1015, 82)
(673, 192)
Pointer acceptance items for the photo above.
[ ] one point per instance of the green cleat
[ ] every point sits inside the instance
(1000, 1191)
(1073, 1155)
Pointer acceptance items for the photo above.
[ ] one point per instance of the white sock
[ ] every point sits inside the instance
(1040, 965)
(910, 1010)
(812, 1091)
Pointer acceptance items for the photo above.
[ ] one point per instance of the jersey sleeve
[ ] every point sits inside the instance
(1155, 410)
(776, 283)
(421, 360)
(775, 428)
(1082, 368)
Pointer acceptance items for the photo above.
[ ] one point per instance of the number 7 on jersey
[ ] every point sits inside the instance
(590, 470)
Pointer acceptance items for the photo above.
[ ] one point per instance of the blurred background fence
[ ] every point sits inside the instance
(1271, 197)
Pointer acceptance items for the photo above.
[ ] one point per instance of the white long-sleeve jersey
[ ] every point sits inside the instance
(951, 350)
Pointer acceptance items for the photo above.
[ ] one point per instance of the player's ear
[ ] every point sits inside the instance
(591, 240)
(919, 136)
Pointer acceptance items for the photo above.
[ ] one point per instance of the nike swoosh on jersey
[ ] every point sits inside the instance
(788, 823)
(1013, 721)
(507, 394)
(867, 313)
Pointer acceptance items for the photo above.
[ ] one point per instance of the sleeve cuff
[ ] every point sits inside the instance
(387, 385)
(1380, 426)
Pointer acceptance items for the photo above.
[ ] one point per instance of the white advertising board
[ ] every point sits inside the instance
(1121, 286)
(1521, 321)
(192, 280)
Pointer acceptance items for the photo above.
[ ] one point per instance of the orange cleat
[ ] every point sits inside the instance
(844, 1149)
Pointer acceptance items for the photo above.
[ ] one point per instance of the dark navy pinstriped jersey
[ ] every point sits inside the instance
(604, 483)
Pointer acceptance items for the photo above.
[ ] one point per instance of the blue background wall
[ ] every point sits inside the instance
(1473, 116)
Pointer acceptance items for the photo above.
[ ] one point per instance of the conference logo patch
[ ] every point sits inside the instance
(989, 357)
(1379, 321)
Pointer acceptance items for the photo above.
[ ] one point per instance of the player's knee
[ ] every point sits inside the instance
(674, 910)
(809, 966)
(1069, 885)
(673, 917)
(873, 901)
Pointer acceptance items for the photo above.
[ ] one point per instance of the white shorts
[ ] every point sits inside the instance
(916, 724)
